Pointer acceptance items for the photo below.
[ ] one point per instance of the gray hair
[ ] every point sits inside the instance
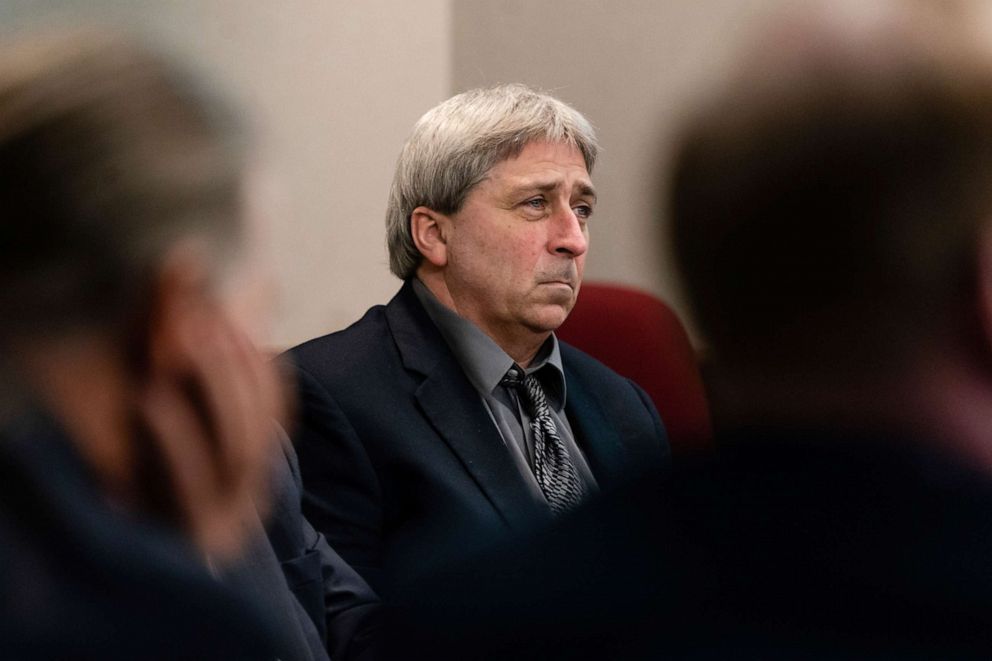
(455, 144)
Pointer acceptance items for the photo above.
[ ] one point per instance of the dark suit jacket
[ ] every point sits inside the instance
(317, 601)
(80, 579)
(398, 451)
(788, 545)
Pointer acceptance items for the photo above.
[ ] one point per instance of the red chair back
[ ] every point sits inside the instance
(640, 337)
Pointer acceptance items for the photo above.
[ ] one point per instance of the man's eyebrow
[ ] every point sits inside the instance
(544, 186)
(588, 191)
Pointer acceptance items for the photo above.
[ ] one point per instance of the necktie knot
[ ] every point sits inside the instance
(514, 378)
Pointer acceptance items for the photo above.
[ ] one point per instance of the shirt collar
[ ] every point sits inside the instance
(484, 362)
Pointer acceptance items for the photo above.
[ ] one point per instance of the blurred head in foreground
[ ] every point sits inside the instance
(831, 211)
(122, 216)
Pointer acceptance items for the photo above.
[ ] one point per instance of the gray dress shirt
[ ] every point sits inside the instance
(485, 364)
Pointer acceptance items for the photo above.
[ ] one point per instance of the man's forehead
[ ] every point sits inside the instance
(544, 166)
(548, 182)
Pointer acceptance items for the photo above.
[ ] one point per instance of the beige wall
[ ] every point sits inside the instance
(335, 86)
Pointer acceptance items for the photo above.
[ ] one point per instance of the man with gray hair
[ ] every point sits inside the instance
(454, 409)
(831, 212)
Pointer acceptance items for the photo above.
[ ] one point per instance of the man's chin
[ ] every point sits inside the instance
(547, 318)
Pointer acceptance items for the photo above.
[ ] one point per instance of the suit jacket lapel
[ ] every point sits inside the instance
(595, 433)
(455, 410)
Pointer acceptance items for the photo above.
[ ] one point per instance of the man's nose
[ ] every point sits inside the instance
(568, 233)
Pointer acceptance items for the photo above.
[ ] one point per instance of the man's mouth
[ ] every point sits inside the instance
(560, 285)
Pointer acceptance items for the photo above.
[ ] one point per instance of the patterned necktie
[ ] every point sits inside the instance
(553, 468)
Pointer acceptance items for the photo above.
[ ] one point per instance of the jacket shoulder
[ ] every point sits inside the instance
(579, 362)
(619, 396)
(341, 349)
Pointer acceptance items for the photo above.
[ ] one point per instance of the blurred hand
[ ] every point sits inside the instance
(209, 422)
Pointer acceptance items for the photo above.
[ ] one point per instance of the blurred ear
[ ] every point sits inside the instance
(429, 230)
(182, 301)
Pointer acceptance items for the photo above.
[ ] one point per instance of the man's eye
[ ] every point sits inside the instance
(536, 203)
(583, 210)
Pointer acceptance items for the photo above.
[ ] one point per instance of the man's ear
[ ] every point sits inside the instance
(181, 301)
(429, 230)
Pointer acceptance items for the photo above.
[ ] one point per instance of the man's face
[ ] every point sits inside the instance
(516, 249)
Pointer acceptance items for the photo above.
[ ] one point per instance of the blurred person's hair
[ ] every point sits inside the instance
(455, 144)
(826, 207)
(108, 156)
